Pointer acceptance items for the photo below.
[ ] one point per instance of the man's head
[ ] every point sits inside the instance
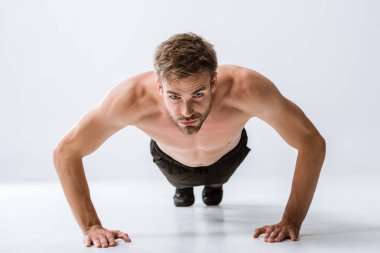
(186, 65)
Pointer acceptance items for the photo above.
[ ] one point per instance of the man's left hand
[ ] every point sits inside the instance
(278, 232)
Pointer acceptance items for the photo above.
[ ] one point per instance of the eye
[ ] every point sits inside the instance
(174, 97)
(198, 94)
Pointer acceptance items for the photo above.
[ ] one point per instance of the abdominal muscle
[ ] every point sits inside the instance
(195, 156)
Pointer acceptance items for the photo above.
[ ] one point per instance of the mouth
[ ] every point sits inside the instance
(188, 122)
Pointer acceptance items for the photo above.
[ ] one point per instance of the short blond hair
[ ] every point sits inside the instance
(183, 55)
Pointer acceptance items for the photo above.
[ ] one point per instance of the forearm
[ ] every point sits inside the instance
(73, 180)
(308, 166)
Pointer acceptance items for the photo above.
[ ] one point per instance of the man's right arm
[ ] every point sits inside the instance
(116, 111)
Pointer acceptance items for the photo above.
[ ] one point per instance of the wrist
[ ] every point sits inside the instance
(291, 221)
(91, 227)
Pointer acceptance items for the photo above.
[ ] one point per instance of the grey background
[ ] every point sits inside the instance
(59, 58)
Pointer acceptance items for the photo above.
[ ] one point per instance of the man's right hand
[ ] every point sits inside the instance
(102, 237)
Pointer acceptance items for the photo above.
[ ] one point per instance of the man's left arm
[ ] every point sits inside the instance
(269, 105)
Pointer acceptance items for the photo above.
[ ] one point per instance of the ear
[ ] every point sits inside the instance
(159, 86)
(214, 82)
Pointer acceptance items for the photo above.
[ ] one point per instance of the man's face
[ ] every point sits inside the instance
(188, 101)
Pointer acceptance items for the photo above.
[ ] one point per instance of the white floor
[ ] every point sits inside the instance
(344, 217)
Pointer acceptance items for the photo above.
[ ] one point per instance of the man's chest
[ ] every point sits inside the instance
(218, 131)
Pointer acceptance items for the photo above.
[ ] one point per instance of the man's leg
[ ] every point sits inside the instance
(215, 185)
(212, 194)
(184, 196)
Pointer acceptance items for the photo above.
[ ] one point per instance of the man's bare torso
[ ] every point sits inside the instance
(219, 133)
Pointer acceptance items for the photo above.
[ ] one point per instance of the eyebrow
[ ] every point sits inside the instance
(174, 93)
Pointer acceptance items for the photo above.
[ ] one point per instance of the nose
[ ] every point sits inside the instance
(187, 109)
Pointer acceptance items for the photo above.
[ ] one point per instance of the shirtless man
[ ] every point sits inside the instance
(195, 112)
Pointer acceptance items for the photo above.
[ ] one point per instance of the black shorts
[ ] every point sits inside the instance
(180, 175)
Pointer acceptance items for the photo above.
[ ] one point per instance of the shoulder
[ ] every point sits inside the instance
(127, 101)
(254, 91)
(245, 79)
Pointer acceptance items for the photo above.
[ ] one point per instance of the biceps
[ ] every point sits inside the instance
(87, 135)
(290, 122)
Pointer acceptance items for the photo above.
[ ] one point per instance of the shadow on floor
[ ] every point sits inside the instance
(229, 220)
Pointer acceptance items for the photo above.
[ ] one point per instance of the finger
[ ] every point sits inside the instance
(103, 241)
(281, 236)
(123, 236)
(272, 236)
(96, 242)
(111, 239)
(293, 236)
(267, 234)
(258, 232)
(87, 241)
